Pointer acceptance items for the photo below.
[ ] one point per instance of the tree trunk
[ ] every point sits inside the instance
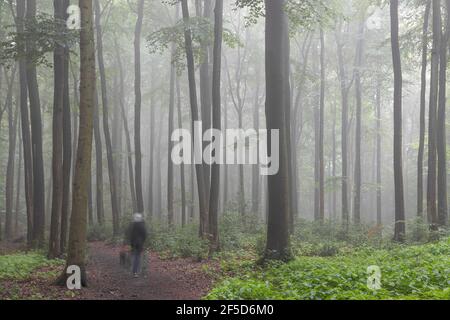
(378, 119)
(9, 184)
(170, 214)
(442, 207)
(358, 91)
(423, 91)
(432, 135)
(182, 168)
(126, 129)
(399, 230)
(18, 187)
(77, 234)
(36, 137)
(137, 107)
(321, 128)
(57, 148)
(99, 164)
(277, 91)
(106, 131)
(217, 124)
(25, 127)
(345, 87)
(203, 230)
(67, 146)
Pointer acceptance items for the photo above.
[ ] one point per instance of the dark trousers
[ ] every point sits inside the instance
(136, 255)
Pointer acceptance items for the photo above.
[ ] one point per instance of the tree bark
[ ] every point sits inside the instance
(442, 206)
(423, 91)
(432, 134)
(137, 107)
(36, 137)
(203, 230)
(77, 234)
(277, 91)
(182, 168)
(399, 230)
(217, 124)
(106, 131)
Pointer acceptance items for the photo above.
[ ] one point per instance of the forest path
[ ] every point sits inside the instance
(179, 279)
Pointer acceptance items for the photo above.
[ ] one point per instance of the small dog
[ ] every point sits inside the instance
(125, 258)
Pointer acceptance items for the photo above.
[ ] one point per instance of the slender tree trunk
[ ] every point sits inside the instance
(36, 137)
(25, 127)
(67, 147)
(378, 115)
(255, 169)
(18, 187)
(358, 91)
(432, 134)
(182, 168)
(277, 87)
(170, 213)
(9, 184)
(77, 233)
(442, 206)
(399, 230)
(321, 128)
(106, 131)
(137, 106)
(99, 165)
(127, 130)
(57, 148)
(217, 124)
(345, 87)
(203, 230)
(151, 156)
(423, 90)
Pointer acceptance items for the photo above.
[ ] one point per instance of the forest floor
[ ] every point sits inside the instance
(165, 279)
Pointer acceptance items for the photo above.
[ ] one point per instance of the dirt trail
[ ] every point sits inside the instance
(180, 279)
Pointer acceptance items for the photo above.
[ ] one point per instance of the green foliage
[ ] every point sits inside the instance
(202, 33)
(20, 266)
(44, 33)
(408, 272)
(177, 242)
(98, 232)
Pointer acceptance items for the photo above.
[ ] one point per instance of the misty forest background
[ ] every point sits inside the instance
(356, 88)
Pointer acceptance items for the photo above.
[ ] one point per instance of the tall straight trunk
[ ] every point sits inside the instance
(255, 169)
(345, 87)
(378, 120)
(126, 129)
(78, 223)
(432, 134)
(57, 147)
(9, 184)
(182, 168)
(205, 91)
(117, 142)
(442, 206)
(100, 211)
(316, 115)
(241, 195)
(217, 124)
(321, 128)
(137, 106)
(67, 147)
(358, 92)
(225, 167)
(203, 230)
(36, 137)
(170, 214)
(159, 167)
(399, 230)
(277, 93)
(106, 131)
(333, 163)
(151, 155)
(18, 187)
(423, 92)
(25, 127)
